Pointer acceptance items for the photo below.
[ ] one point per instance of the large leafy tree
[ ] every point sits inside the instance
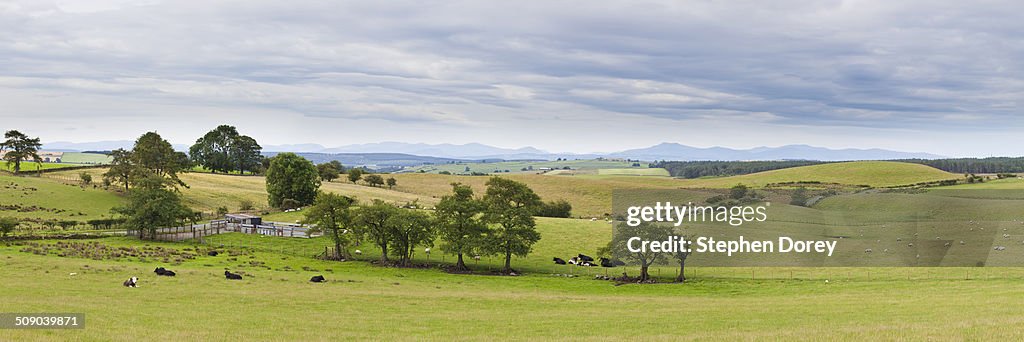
(154, 154)
(332, 214)
(510, 206)
(373, 222)
(153, 203)
(646, 231)
(223, 149)
(458, 223)
(20, 147)
(122, 169)
(329, 171)
(410, 229)
(291, 177)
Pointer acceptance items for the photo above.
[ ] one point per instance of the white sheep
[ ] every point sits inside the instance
(359, 252)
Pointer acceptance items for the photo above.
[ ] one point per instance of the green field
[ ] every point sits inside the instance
(634, 172)
(30, 166)
(275, 301)
(85, 158)
(44, 199)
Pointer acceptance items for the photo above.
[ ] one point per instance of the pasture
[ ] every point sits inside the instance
(364, 301)
(531, 166)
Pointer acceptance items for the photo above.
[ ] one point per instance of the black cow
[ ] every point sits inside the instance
(164, 272)
(317, 279)
(212, 253)
(605, 262)
(585, 258)
(232, 276)
(559, 261)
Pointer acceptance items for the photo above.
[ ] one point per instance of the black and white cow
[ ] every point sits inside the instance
(585, 258)
(132, 282)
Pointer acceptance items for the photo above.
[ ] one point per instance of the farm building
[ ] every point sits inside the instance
(46, 156)
(244, 219)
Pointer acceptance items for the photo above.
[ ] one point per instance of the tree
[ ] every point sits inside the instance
(331, 214)
(458, 224)
(646, 231)
(410, 229)
(391, 181)
(122, 170)
(354, 175)
(291, 177)
(154, 154)
(372, 222)
(7, 225)
(19, 147)
(799, 197)
(328, 171)
(738, 192)
(560, 208)
(153, 203)
(223, 149)
(85, 177)
(680, 257)
(245, 154)
(510, 205)
(374, 180)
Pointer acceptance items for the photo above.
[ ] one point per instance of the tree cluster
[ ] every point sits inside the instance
(225, 150)
(152, 156)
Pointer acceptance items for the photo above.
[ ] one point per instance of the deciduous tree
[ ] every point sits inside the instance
(291, 177)
(458, 223)
(510, 206)
(20, 147)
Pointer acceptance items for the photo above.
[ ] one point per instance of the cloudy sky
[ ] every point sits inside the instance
(564, 76)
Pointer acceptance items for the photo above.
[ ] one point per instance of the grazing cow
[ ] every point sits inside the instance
(585, 258)
(317, 279)
(132, 282)
(164, 272)
(212, 253)
(232, 276)
(559, 261)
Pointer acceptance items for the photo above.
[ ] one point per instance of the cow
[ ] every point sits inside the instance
(232, 276)
(317, 279)
(574, 261)
(164, 272)
(559, 261)
(132, 282)
(605, 262)
(585, 258)
(212, 253)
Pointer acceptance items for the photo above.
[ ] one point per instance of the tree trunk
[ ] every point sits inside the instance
(508, 262)
(383, 254)
(682, 272)
(644, 276)
(461, 265)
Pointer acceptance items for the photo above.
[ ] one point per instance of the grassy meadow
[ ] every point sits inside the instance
(361, 300)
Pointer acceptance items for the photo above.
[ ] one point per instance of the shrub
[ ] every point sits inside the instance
(245, 205)
(7, 225)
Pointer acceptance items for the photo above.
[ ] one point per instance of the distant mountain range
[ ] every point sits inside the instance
(439, 153)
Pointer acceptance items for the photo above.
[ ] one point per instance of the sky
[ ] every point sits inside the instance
(943, 77)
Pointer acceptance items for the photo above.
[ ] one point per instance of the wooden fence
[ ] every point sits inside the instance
(199, 231)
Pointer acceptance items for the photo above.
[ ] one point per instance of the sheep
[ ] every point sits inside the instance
(558, 261)
(132, 282)
(947, 244)
(232, 276)
(359, 252)
(868, 250)
(317, 279)
(962, 242)
(910, 244)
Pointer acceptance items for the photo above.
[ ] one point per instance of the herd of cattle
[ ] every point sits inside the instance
(583, 260)
(160, 271)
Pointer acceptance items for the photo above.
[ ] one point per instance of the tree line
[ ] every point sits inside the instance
(697, 169)
(501, 222)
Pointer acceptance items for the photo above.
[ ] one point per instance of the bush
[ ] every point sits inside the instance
(86, 178)
(560, 208)
(289, 203)
(7, 225)
(245, 205)
(221, 211)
